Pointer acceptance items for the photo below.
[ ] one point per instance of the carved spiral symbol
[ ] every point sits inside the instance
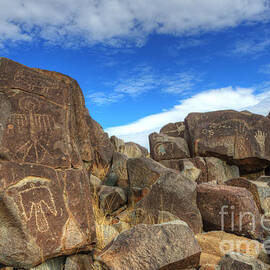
(29, 104)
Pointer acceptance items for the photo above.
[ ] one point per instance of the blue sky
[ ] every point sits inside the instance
(144, 63)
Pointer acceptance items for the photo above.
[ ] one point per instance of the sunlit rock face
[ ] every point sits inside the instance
(44, 139)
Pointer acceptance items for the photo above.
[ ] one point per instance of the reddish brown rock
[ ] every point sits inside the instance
(119, 168)
(144, 172)
(79, 262)
(176, 194)
(216, 244)
(111, 198)
(101, 149)
(144, 247)
(249, 185)
(228, 208)
(43, 182)
(240, 137)
(174, 129)
(238, 261)
(164, 147)
(130, 149)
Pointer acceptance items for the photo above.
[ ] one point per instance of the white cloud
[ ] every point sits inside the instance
(101, 98)
(143, 79)
(117, 22)
(216, 99)
(265, 69)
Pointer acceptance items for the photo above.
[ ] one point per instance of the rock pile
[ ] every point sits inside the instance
(73, 198)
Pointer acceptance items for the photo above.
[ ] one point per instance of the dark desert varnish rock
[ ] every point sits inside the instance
(242, 138)
(164, 147)
(229, 208)
(176, 194)
(165, 246)
(44, 186)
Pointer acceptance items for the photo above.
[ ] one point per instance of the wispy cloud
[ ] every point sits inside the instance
(253, 44)
(120, 22)
(101, 98)
(143, 79)
(265, 69)
(190, 43)
(236, 98)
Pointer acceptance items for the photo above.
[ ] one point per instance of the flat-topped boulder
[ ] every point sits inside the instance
(176, 194)
(229, 208)
(165, 246)
(241, 138)
(164, 147)
(44, 138)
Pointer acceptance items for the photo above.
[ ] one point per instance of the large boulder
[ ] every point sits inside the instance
(216, 244)
(174, 129)
(204, 169)
(176, 194)
(130, 149)
(228, 208)
(239, 137)
(164, 147)
(144, 172)
(238, 261)
(43, 182)
(153, 247)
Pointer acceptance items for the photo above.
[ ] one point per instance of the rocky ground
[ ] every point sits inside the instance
(72, 198)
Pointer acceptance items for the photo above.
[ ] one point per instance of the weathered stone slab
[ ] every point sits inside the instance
(165, 246)
(144, 172)
(164, 147)
(228, 208)
(216, 244)
(176, 194)
(43, 181)
(174, 129)
(238, 261)
(240, 137)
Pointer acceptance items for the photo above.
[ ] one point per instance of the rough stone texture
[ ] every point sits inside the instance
(250, 186)
(52, 264)
(216, 244)
(134, 150)
(119, 169)
(164, 147)
(144, 172)
(240, 137)
(136, 194)
(130, 149)
(212, 169)
(101, 148)
(79, 262)
(106, 233)
(111, 198)
(238, 205)
(174, 129)
(95, 184)
(43, 182)
(238, 261)
(153, 247)
(176, 194)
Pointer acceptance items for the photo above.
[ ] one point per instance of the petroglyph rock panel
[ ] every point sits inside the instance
(43, 182)
(164, 147)
(238, 137)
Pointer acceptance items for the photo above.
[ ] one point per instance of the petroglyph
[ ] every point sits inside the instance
(35, 200)
(260, 137)
(159, 149)
(36, 81)
(33, 123)
(180, 128)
